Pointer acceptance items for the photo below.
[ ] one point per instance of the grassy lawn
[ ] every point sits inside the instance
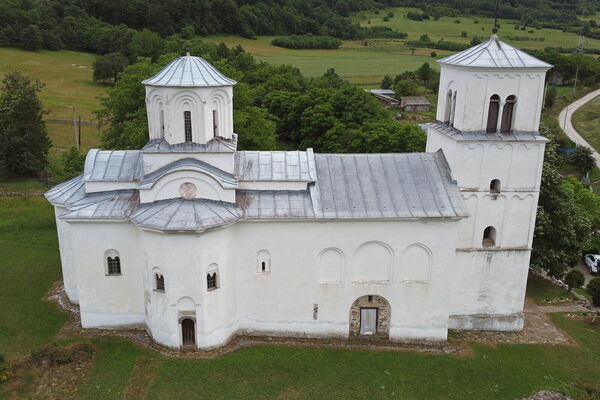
(66, 74)
(542, 291)
(586, 121)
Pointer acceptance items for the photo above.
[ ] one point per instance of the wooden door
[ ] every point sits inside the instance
(188, 332)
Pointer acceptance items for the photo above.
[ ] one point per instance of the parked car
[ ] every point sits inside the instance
(591, 261)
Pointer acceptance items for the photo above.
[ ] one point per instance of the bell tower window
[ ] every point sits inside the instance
(507, 114)
(215, 123)
(187, 121)
(494, 110)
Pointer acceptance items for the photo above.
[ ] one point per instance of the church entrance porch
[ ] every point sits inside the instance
(188, 332)
(370, 317)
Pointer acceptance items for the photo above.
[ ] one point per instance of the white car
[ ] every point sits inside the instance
(591, 261)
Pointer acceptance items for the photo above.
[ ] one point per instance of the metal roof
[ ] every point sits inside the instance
(116, 205)
(189, 71)
(113, 166)
(185, 215)
(275, 166)
(269, 204)
(225, 179)
(386, 186)
(67, 192)
(478, 136)
(214, 145)
(382, 91)
(414, 101)
(494, 53)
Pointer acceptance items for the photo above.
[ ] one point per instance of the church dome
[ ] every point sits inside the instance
(189, 71)
(494, 53)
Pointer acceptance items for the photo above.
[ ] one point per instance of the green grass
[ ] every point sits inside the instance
(447, 29)
(69, 86)
(586, 121)
(542, 290)
(30, 263)
(584, 293)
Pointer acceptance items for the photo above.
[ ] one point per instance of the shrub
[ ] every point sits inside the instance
(574, 279)
(424, 38)
(5, 369)
(464, 34)
(307, 42)
(550, 97)
(582, 159)
(457, 21)
(73, 161)
(433, 54)
(593, 288)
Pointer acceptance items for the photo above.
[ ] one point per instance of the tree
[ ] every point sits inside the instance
(24, 141)
(562, 228)
(583, 159)
(73, 161)
(424, 38)
(406, 87)
(425, 73)
(255, 130)
(146, 44)
(475, 41)
(550, 97)
(574, 279)
(387, 82)
(593, 288)
(32, 38)
(109, 66)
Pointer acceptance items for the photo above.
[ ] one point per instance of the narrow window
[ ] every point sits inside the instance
(187, 120)
(114, 265)
(211, 281)
(162, 122)
(263, 262)
(495, 186)
(453, 112)
(489, 236)
(492, 123)
(263, 266)
(507, 114)
(215, 124)
(448, 107)
(160, 282)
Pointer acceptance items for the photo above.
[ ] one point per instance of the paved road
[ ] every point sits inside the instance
(564, 119)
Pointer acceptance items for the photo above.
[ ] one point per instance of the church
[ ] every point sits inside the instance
(195, 241)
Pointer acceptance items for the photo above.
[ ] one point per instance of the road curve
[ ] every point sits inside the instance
(564, 120)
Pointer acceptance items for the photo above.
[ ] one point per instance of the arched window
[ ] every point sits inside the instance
(112, 264)
(263, 262)
(495, 186)
(494, 110)
(489, 236)
(215, 123)
(453, 112)
(162, 121)
(187, 122)
(160, 282)
(507, 114)
(211, 281)
(448, 107)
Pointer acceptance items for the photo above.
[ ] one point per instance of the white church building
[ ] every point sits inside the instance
(196, 242)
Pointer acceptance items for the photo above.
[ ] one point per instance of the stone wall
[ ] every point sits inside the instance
(383, 315)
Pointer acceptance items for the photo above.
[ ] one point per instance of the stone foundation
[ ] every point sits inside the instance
(487, 322)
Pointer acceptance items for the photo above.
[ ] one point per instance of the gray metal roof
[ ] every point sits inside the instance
(190, 164)
(185, 215)
(67, 192)
(482, 135)
(275, 204)
(215, 145)
(189, 71)
(414, 100)
(117, 205)
(494, 53)
(275, 166)
(383, 91)
(386, 186)
(113, 166)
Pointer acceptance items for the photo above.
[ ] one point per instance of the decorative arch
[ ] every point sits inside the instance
(169, 185)
(186, 303)
(508, 111)
(218, 102)
(416, 263)
(330, 268)
(358, 311)
(493, 112)
(372, 262)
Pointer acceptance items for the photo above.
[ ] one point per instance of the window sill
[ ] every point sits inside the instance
(113, 275)
(211, 289)
(159, 291)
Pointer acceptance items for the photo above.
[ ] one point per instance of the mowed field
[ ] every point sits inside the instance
(121, 370)
(586, 121)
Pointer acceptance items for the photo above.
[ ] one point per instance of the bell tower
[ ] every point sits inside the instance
(488, 117)
(189, 101)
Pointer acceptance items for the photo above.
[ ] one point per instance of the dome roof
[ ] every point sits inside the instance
(189, 71)
(494, 53)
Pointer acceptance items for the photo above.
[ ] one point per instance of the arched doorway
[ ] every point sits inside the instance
(188, 332)
(370, 317)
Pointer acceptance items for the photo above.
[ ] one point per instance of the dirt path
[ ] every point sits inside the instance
(564, 120)
(144, 372)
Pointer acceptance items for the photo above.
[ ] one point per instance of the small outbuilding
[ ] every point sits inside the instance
(415, 104)
(385, 97)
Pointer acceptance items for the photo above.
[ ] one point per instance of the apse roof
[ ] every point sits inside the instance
(494, 53)
(189, 71)
(113, 166)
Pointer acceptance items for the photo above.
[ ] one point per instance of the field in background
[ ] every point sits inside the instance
(446, 28)
(586, 121)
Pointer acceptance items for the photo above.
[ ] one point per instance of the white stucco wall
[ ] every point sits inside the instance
(63, 232)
